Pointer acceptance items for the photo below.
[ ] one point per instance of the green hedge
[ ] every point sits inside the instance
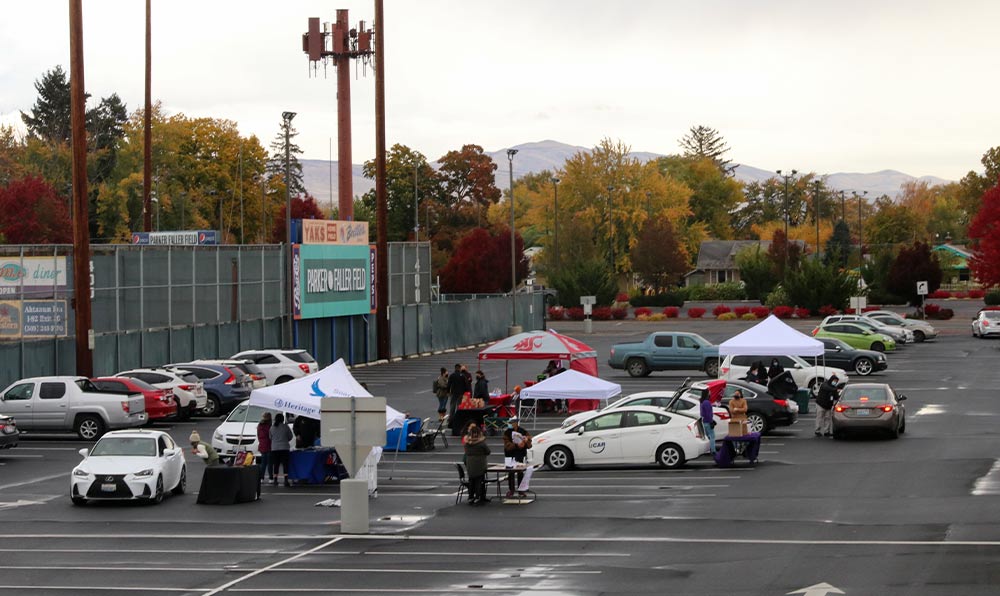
(992, 298)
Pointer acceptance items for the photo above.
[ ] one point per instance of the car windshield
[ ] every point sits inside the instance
(862, 395)
(127, 446)
(300, 357)
(240, 413)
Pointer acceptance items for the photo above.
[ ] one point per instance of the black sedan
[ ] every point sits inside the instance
(8, 432)
(764, 411)
(841, 355)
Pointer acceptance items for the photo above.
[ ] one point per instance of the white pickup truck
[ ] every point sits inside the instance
(71, 404)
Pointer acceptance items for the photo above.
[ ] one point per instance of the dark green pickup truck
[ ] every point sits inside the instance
(666, 350)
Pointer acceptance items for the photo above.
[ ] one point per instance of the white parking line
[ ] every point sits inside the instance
(35, 481)
(272, 566)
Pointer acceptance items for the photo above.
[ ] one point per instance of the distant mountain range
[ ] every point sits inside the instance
(551, 155)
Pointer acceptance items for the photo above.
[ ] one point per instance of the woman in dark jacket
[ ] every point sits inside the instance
(281, 444)
(482, 388)
(264, 444)
(476, 453)
(775, 370)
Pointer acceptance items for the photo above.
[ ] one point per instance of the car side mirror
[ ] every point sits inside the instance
(579, 431)
(901, 398)
(83, 452)
(170, 452)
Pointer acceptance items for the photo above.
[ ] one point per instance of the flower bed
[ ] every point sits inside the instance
(783, 312)
(721, 310)
(760, 312)
(672, 312)
(695, 313)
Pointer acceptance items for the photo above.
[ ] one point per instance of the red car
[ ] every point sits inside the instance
(160, 403)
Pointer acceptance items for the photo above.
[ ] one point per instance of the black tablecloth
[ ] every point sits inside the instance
(225, 485)
(462, 418)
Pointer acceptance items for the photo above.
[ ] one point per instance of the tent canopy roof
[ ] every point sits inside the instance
(538, 345)
(572, 384)
(771, 337)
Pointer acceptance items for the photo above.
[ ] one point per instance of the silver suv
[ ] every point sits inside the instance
(922, 330)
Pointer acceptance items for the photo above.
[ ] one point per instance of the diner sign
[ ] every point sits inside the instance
(32, 275)
(328, 231)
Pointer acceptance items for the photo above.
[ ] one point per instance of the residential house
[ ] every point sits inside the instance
(717, 261)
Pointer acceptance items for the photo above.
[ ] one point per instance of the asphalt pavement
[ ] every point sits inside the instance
(867, 515)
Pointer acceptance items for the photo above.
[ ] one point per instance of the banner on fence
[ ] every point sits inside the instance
(33, 318)
(331, 280)
(328, 231)
(36, 276)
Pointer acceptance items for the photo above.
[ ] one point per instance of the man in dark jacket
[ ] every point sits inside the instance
(456, 387)
(516, 441)
(482, 388)
(825, 399)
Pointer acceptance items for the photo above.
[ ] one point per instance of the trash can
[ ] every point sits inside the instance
(802, 399)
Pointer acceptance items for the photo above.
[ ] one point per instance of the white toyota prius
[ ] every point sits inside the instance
(629, 435)
(129, 464)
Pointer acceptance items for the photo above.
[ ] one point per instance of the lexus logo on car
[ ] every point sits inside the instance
(110, 479)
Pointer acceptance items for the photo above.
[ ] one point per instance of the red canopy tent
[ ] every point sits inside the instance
(547, 345)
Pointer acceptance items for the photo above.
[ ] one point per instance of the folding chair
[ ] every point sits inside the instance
(527, 411)
(495, 423)
(441, 431)
(463, 483)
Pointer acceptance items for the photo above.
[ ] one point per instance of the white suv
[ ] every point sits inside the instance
(189, 392)
(281, 366)
(804, 373)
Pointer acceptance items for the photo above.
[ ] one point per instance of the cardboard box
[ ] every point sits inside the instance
(738, 429)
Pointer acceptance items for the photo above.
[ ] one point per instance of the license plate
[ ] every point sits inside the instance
(863, 412)
(108, 488)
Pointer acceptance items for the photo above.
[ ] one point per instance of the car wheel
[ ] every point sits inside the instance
(212, 407)
(182, 483)
(918, 336)
(158, 495)
(79, 501)
(878, 346)
(637, 367)
(894, 433)
(902, 427)
(559, 459)
(283, 379)
(864, 366)
(89, 428)
(757, 423)
(670, 456)
(712, 367)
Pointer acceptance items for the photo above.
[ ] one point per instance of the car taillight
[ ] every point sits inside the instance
(815, 331)
(725, 370)
(186, 387)
(886, 408)
(612, 352)
(258, 377)
(782, 402)
(231, 379)
(125, 407)
(305, 368)
(695, 429)
(839, 408)
(723, 415)
(986, 323)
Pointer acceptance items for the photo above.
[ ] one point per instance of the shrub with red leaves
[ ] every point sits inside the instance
(939, 294)
(741, 310)
(960, 295)
(643, 311)
(977, 294)
(783, 312)
(621, 297)
(601, 313)
(619, 313)
(556, 313)
(575, 313)
(672, 312)
(694, 313)
(931, 309)
(827, 310)
(761, 312)
(802, 313)
(721, 310)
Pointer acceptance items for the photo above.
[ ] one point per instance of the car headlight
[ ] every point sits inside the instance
(881, 357)
(144, 473)
(217, 437)
(80, 473)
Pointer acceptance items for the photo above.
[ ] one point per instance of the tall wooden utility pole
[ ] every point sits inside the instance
(381, 210)
(147, 135)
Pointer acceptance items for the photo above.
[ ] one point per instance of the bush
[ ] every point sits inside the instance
(672, 312)
(802, 313)
(961, 295)
(741, 310)
(827, 310)
(721, 310)
(556, 313)
(671, 298)
(782, 312)
(760, 312)
(656, 317)
(777, 297)
(643, 311)
(723, 291)
(992, 298)
(575, 313)
(601, 313)
(588, 277)
(619, 313)
(939, 295)
(944, 314)
(931, 309)
(977, 294)
(749, 316)
(696, 312)
(621, 297)
(726, 316)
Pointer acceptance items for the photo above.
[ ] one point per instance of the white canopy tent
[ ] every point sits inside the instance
(771, 337)
(572, 384)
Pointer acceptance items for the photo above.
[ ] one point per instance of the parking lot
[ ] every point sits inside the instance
(865, 515)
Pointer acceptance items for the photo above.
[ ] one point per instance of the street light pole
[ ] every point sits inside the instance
(611, 228)
(287, 118)
(555, 216)
(416, 209)
(514, 328)
(843, 208)
(784, 270)
(816, 184)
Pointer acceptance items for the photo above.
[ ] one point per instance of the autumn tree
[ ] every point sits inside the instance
(985, 232)
(714, 195)
(481, 263)
(974, 185)
(914, 263)
(31, 212)
(466, 178)
(838, 247)
(404, 168)
(658, 257)
(894, 223)
(11, 155)
(703, 141)
(302, 208)
(782, 253)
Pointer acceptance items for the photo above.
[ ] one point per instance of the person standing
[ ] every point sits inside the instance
(281, 444)
(708, 419)
(738, 407)
(825, 398)
(456, 388)
(264, 444)
(516, 441)
(203, 449)
(775, 370)
(476, 453)
(441, 392)
(482, 387)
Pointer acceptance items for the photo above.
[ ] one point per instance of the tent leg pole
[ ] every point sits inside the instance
(406, 427)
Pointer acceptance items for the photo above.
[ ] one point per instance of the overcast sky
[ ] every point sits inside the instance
(836, 86)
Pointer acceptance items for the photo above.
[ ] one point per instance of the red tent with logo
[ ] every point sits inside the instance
(547, 345)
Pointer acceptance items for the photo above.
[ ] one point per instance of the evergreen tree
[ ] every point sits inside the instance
(276, 163)
(704, 141)
(49, 118)
(838, 247)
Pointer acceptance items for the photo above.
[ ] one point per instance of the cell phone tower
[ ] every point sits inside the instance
(340, 45)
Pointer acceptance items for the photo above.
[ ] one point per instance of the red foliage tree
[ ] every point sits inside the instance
(301, 209)
(481, 263)
(32, 213)
(985, 228)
